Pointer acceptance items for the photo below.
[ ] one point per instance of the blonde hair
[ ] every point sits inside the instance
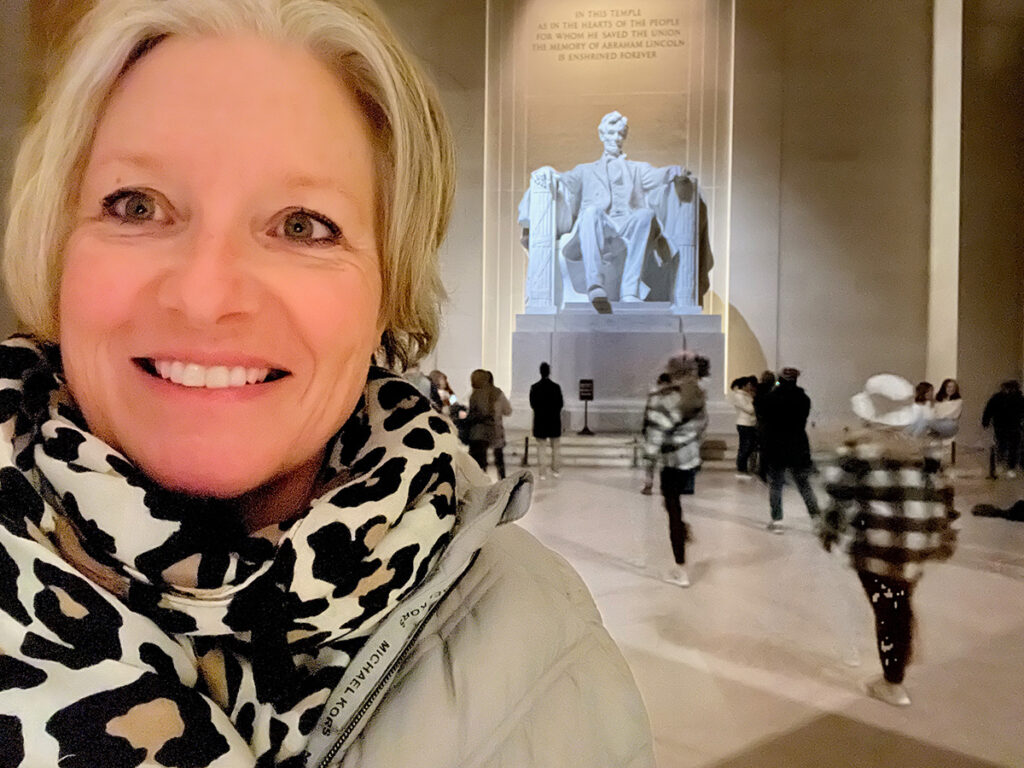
(412, 145)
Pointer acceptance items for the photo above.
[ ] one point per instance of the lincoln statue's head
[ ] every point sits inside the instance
(612, 131)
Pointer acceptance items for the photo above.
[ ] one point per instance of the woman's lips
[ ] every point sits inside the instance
(190, 374)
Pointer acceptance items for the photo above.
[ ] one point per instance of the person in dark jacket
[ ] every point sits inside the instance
(767, 383)
(1004, 411)
(782, 418)
(546, 402)
(487, 406)
(764, 386)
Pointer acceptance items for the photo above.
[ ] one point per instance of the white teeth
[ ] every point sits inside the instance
(194, 376)
(210, 377)
(217, 377)
(254, 375)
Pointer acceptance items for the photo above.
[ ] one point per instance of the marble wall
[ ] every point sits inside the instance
(991, 297)
(828, 268)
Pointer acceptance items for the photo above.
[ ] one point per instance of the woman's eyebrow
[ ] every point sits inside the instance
(139, 160)
(308, 181)
(346, 195)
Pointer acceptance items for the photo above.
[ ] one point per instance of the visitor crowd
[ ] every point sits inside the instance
(882, 495)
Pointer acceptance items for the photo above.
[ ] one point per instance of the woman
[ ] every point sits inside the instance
(674, 423)
(441, 396)
(936, 417)
(742, 393)
(894, 512)
(948, 407)
(487, 406)
(663, 383)
(225, 538)
(948, 392)
(924, 399)
(923, 409)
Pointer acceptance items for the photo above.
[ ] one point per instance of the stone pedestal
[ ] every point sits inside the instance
(622, 352)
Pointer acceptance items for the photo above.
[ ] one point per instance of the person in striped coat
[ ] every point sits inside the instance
(892, 511)
(674, 424)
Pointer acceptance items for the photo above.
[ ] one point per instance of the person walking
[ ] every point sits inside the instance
(487, 406)
(742, 393)
(1004, 411)
(651, 462)
(766, 384)
(546, 402)
(675, 422)
(785, 448)
(893, 511)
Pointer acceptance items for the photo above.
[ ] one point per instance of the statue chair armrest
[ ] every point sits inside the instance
(676, 206)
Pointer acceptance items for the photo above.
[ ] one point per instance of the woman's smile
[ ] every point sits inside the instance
(186, 373)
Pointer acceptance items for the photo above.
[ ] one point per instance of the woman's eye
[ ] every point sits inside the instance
(308, 227)
(133, 206)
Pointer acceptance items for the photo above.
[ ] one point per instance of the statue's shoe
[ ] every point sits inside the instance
(631, 299)
(599, 299)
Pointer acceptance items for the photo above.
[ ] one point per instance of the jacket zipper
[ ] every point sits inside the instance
(343, 736)
(392, 670)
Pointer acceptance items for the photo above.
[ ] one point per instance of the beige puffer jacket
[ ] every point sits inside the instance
(514, 669)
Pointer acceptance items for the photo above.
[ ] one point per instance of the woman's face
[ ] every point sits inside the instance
(950, 388)
(221, 286)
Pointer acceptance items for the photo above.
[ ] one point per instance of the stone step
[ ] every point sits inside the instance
(614, 450)
(718, 451)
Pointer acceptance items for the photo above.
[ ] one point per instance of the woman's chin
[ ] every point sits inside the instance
(268, 488)
(201, 468)
(205, 481)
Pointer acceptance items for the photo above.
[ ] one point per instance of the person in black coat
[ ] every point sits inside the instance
(767, 383)
(1004, 411)
(546, 402)
(782, 418)
(487, 406)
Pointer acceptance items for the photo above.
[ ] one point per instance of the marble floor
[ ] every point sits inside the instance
(761, 662)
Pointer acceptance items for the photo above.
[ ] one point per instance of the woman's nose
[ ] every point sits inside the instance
(209, 282)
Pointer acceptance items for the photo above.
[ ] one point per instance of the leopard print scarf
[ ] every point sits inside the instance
(239, 637)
